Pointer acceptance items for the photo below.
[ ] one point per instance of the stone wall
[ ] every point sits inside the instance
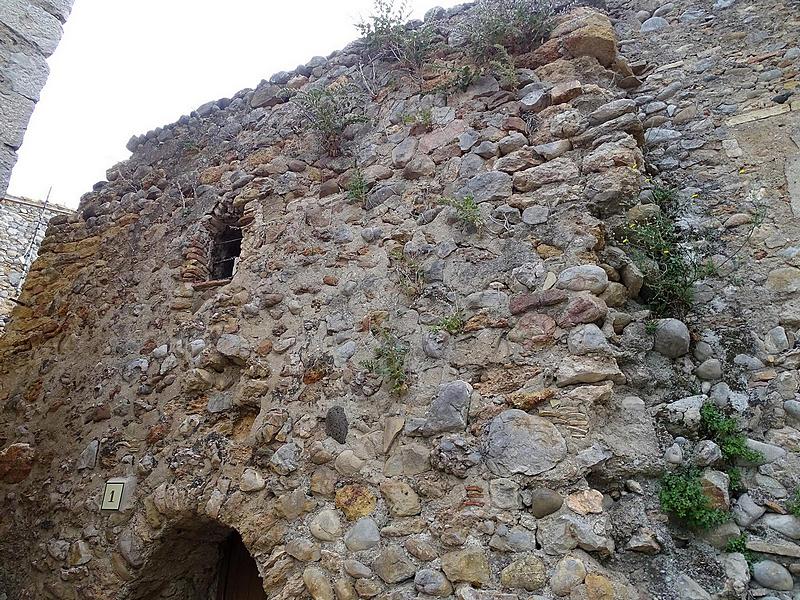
(23, 223)
(399, 394)
(29, 32)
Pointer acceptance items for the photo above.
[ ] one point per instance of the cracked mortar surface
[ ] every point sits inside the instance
(523, 459)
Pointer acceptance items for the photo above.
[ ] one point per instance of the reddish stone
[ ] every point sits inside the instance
(328, 188)
(525, 302)
(16, 463)
(330, 280)
(533, 330)
(97, 414)
(564, 92)
(515, 124)
(583, 308)
(544, 54)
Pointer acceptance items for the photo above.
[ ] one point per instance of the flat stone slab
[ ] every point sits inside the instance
(756, 115)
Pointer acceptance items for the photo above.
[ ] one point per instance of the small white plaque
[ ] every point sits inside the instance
(112, 495)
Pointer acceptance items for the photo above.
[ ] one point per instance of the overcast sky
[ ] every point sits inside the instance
(126, 66)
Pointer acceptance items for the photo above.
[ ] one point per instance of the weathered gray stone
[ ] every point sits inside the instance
(583, 278)
(469, 565)
(746, 511)
(521, 443)
(535, 215)
(569, 573)
(433, 583)
(512, 539)
(527, 573)
(772, 575)
(448, 412)
(326, 526)
(401, 498)
(554, 149)
(654, 24)
(252, 481)
(671, 338)
(393, 565)
(363, 535)
(788, 525)
(318, 584)
(535, 99)
(557, 170)
(588, 369)
(404, 152)
(487, 187)
(612, 110)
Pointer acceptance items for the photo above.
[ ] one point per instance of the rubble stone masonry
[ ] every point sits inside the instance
(429, 366)
(22, 226)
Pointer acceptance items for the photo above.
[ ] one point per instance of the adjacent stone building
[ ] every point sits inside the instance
(421, 362)
(29, 32)
(22, 225)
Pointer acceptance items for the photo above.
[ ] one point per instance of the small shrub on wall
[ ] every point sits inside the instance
(327, 111)
(388, 36)
(496, 29)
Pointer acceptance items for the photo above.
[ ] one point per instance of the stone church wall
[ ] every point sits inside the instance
(397, 393)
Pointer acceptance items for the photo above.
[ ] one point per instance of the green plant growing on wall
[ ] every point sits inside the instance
(651, 326)
(659, 250)
(727, 434)
(504, 68)
(328, 111)
(735, 483)
(388, 36)
(459, 78)
(452, 323)
(389, 360)
(739, 544)
(357, 187)
(410, 273)
(682, 495)
(793, 505)
(467, 210)
(423, 117)
(497, 29)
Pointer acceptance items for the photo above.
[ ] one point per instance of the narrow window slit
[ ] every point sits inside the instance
(225, 252)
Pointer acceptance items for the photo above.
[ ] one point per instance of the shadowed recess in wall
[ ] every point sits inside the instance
(198, 559)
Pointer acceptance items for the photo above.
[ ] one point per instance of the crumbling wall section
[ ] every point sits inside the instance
(29, 33)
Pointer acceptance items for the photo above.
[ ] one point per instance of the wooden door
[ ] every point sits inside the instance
(239, 578)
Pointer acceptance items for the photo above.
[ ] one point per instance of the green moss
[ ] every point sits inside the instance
(682, 495)
(793, 505)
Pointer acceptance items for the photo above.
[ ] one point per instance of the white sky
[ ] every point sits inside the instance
(127, 66)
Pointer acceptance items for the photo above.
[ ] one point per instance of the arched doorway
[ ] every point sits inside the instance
(238, 574)
(198, 559)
